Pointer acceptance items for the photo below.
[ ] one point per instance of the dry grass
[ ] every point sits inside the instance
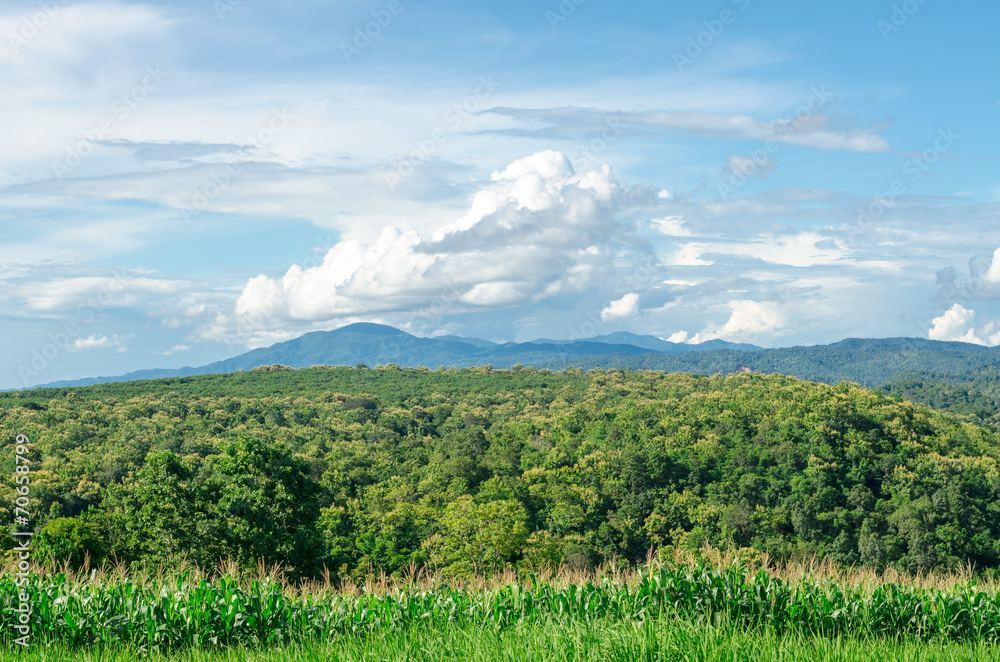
(415, 579)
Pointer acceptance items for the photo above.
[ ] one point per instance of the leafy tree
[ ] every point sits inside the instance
(269, 504)
(479, 539)
(161, 513)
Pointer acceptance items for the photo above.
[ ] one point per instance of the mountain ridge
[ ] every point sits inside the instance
(374, 344)
(871, 362)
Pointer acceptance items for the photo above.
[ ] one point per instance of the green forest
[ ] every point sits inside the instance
(470, 471)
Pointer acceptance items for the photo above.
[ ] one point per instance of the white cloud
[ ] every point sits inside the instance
(992, 274)
(957, 324)
(688, 255)
(672, 226)
(747, 320)
(805, 249)
(65, 34)
(95, 341)
(752, 317)
(92, 342)
(627, 306)
(678, 337)
(816, 130)
(493, 294)
(174, 349)
(118, 291)
(536, 230)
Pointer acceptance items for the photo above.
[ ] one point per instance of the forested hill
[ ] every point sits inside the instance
(948, 375)
(871, 362)
(376, 344)
(472, 470)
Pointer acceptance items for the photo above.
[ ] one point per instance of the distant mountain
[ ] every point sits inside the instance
(376, 344)
(657, 344)
(892, 364)
(871, 362)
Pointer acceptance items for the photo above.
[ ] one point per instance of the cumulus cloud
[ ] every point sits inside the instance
(747, 319)
(627, 306)
(752, 317)
(992, 274)
(537, 229)
(958, 324)
(981, 284)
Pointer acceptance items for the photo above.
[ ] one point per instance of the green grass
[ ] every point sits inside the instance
(557, 641)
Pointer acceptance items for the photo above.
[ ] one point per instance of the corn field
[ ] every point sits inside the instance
(185, 611)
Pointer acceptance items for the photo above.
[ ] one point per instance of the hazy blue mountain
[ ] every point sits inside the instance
(870, 362)
(652, 343)
(660, 345)
(375, 344)
(469, 341)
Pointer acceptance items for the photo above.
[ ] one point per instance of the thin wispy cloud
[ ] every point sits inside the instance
(815, 130)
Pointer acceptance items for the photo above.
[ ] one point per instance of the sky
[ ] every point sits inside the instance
(183, 181)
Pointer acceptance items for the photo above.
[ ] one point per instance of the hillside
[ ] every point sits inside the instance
(471, 470)
(870, 362)
(376, 344)
(951, 376)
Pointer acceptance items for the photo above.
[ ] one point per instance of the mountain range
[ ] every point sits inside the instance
(375, 344)
(869, 362)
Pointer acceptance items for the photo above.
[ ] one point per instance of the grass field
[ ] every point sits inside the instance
(674, 611)
(555, 641)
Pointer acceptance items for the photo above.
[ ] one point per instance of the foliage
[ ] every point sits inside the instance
(365, 470)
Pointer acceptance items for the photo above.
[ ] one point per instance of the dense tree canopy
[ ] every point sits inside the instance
(473, 470)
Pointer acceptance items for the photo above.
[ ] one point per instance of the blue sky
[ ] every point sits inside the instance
(183, 181)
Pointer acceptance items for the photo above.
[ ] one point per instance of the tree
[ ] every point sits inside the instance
(479, 539)
(76, 541)
(160, 513)
(270, 506)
